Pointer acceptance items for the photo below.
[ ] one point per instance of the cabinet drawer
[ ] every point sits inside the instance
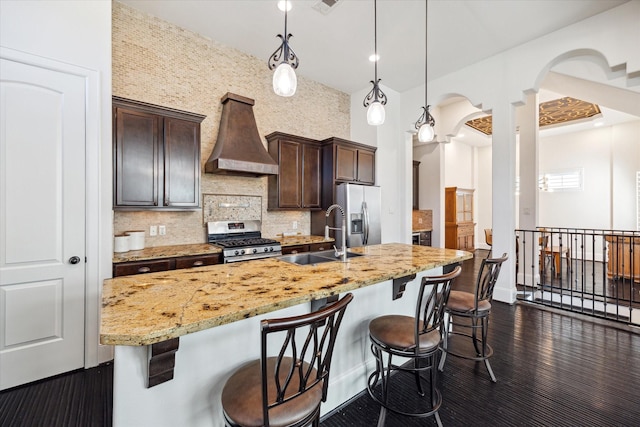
(296, 249)
(141, 267)
(315, 247)
(465, 229)
(197, 261)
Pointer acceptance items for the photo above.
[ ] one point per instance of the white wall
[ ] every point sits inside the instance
(79, 34)
(625, 163)
(609, 157)
(483, 195)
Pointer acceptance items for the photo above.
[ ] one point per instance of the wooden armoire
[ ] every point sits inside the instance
(458, 219)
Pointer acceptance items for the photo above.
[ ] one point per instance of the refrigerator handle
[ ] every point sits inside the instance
(365, 211)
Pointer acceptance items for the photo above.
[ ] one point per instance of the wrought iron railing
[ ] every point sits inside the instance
(589, 271)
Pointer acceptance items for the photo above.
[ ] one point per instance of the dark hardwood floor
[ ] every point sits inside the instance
(553, 369)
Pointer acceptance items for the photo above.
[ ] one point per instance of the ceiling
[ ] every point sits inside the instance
(334, 48)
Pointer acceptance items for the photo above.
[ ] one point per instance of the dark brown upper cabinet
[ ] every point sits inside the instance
(156, 157)
(350, 161)
(298, 183)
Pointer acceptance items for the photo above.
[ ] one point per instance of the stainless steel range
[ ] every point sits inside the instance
(241, 240)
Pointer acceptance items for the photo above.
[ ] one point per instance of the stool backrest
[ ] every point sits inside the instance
(312, 361)
(432, 299)
(487, 277)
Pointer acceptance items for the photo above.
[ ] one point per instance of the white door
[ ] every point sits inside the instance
(42, 222)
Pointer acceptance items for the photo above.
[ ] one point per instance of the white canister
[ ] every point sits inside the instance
(136, 240)
(121, 244)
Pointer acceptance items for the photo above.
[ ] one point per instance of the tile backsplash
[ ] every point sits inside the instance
(229, 207)
(422, 219)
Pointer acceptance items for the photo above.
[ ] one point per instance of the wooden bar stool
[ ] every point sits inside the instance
(286, 390)
(416, 338)
(470, 312)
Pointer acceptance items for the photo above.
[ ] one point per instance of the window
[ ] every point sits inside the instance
(566, 180)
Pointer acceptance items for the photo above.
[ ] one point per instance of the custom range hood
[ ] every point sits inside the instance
(239, 149)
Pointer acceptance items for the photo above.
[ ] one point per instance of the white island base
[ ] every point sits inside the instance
(205, 360)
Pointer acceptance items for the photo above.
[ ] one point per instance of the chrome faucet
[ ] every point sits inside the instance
(343, 250)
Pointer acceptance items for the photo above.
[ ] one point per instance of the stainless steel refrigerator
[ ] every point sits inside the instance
(363, 208)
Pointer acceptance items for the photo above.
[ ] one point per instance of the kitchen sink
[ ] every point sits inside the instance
(312, 258)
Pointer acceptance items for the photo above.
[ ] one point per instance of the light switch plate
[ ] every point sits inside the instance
(153, 230)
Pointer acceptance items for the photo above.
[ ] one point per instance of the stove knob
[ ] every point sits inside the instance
(237, 252)
(242, 251)
(266, 249)
(271, 249)
(255, 250)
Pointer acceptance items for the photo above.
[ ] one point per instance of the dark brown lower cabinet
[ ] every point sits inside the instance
(164, 264)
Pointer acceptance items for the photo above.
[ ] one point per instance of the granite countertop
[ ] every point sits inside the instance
(420, 230)
(166, 252)
(203, 249)
(149, 308)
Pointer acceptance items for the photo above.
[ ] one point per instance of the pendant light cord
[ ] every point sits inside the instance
(426, 44)
(375, 38)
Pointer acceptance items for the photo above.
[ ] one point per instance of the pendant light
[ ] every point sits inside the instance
(375, 99)
(425, 122)
(285, 61)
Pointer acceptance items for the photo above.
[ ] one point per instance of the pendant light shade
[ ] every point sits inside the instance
(375, 99)
(284, 61)
(375, 113)
(425, 122)
(285, 81)
(425, 133)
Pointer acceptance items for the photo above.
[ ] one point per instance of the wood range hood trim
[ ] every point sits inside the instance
(239, 150)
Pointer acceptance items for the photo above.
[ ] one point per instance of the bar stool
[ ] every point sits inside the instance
(286, 390)
(470, 311)
(417, 338)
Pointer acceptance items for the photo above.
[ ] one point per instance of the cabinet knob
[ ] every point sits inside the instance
(144, 270)
(198, 263)
(294, 251)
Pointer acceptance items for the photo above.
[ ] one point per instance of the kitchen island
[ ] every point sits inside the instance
(215, 313)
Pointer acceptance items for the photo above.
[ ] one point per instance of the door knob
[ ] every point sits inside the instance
(74, 260)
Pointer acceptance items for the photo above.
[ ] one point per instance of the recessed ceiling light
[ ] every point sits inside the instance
(374, 57)
(284, 3)
(460, 135)
(598, 124)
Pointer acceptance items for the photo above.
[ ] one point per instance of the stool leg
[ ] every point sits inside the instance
(382, 417)
(474, 336)
(417, 377)
(445, 337)
(485, 328)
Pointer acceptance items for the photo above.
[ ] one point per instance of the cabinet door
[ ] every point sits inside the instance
(137, 158)
(289, 189)
(366, 167)
(311, 179)
(346, 163)
(181, 163)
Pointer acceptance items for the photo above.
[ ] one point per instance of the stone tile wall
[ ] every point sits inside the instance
(160, 63)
